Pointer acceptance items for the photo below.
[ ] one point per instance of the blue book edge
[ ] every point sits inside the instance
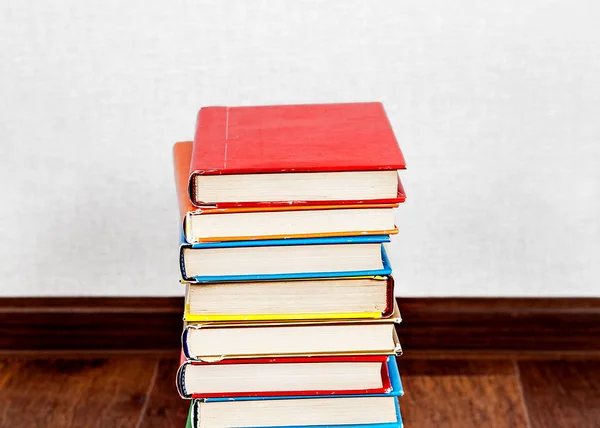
(385, 271)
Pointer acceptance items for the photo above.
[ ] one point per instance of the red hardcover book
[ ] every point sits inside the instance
(281, 376)
(350, 147)
(273, 222)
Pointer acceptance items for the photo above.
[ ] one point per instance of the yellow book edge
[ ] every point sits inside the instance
(395, 318)
(187, 316)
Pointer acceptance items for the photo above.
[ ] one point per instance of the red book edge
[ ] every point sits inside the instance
(385, 377)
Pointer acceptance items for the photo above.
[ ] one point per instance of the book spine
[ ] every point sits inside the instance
(180, 381)
(182, 264)
(184, 343)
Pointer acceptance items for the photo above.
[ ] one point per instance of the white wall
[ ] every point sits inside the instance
(496, 105)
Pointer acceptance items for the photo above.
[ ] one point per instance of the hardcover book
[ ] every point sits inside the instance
(293, 299)
(284, 259)
(318, 154)
(314, 412)
(351, 411)
(274, 222)
(283, 376)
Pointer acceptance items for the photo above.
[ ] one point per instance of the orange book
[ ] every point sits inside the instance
(211, 224)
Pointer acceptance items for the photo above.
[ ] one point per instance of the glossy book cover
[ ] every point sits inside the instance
(346, 137)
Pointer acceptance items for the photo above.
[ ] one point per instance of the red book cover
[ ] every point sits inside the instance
(386, 383)
(295, 138)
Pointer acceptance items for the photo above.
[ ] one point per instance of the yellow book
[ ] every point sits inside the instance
(306, 299)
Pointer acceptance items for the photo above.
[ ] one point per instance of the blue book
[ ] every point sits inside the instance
(282, 259)
(348, 411)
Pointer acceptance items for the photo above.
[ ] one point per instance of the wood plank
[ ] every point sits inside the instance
(87, 323)
(501, 355)
(500, 324)
(461, 394)
(430, 324)
(165, 407)
(562, 393)
(74, 393)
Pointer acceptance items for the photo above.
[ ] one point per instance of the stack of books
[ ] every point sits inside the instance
(290, 311)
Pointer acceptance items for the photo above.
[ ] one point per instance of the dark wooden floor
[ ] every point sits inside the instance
(139, 391)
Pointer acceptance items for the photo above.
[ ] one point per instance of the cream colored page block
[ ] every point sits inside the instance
(305, 412)
(288, 296)
(282, 259)
(283, 377)
(291, 222)
(292, 340)
(312, 186)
